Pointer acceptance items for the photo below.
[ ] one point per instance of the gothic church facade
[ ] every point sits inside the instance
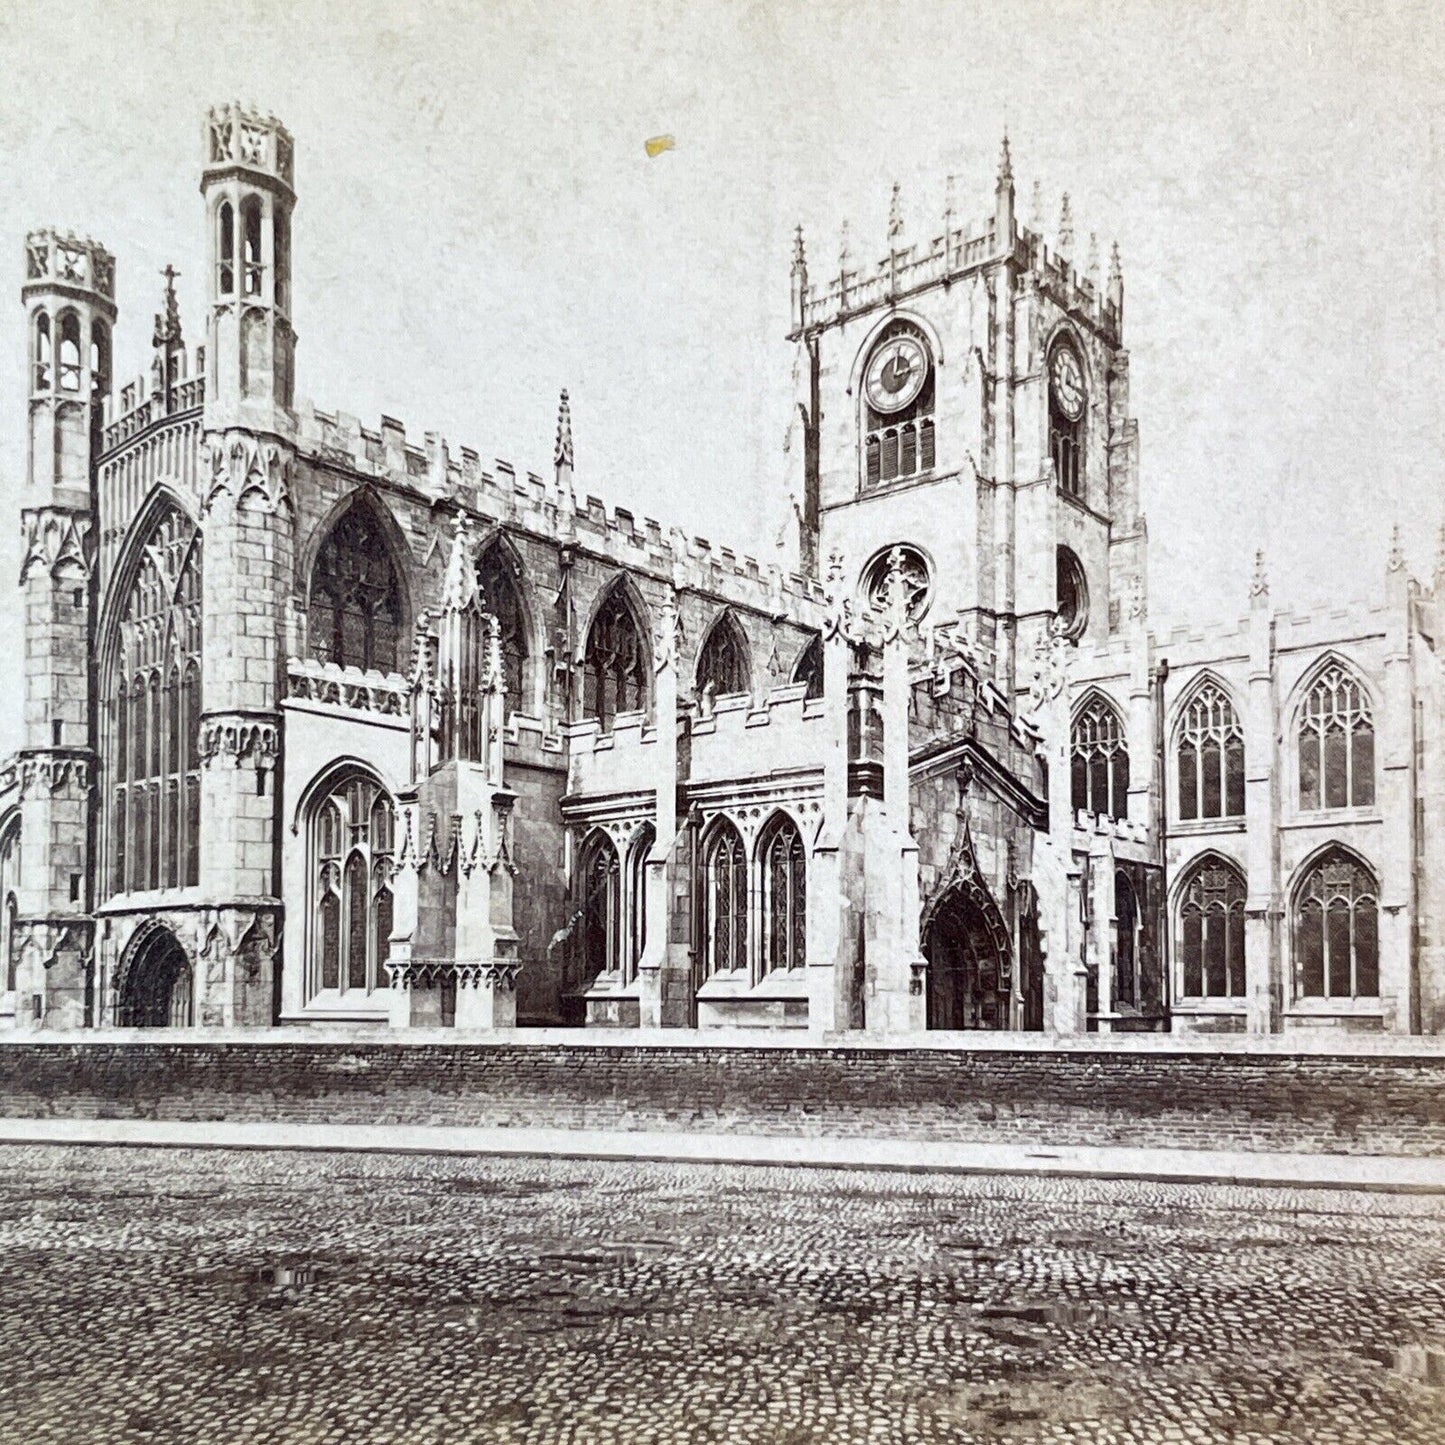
(323, 726)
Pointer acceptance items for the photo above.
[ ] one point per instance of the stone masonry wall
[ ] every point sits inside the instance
(1158, 1096)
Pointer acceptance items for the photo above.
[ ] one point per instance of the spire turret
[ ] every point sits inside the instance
(1116, 280)
(1003, 200)
(1066, 227)
(799, 278)
(895, 216)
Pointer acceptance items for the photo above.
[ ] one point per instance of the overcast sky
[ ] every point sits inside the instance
(478, 226)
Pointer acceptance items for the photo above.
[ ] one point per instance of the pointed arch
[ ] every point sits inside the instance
(639, 849)
(725, 898)
(783, 873)
(597, 890)
(357, 607)
(1209, 933)
(1335, 925)
(965, 939)
(808, 669)
(1208, 750)
(1332, 711)
(155, 980)
(1099, 757)
(724, 661)
(617, 655)
(9, 888)
(500, 575)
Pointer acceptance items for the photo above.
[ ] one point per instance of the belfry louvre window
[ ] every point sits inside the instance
(153, 715)
(1211, 931)
(353, 841)
(501, 598)
(355, 610)
(785, 896)
(1211, 757)
(1336, 744)
(726, 896)
(614, 672)
(1337, 929)
(1100, 762)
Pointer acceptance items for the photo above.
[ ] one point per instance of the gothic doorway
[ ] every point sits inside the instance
(969, 962)
(157, 990)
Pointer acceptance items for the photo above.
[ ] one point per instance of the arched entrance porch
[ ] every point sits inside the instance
(970, 963)
(157, 987)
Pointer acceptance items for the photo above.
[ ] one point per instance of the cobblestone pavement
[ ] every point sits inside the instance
(206, 1296)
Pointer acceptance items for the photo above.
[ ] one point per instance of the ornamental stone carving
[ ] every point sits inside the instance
(238, 739)
(56, 540)
(51, 773)
(247, 470)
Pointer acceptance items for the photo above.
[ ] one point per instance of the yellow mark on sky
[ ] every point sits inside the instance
(658, 144)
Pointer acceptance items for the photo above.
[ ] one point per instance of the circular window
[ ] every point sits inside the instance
(917, 580)
(1072, 597)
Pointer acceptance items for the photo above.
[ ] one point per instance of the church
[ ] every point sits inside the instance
(327, 726)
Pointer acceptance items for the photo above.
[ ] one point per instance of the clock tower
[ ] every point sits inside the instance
(965, 398)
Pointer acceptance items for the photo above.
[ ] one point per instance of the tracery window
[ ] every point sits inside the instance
(9, 909)
(637, 897)
(785, 896)
(1211, 931)
(226, 236)
(252, 265)
(501, 597)
(614, 671)
(1066, 417)
(353, 842)
(153, 717)
(355, 609)
(1336, 744)
(1210, 757)
(898, 407)
(917, 578)
(600, 884)
(42, 352)
(809, 668)
(69, 368)
(726, 902)
(1071, 593)
(723, 665)
(1100, 762)
(1337, 929)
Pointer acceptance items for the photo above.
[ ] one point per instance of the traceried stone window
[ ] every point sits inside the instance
(1211, 931)
(1100, 761)
(355, 608)
(69, 369)
(614, 671)
(42, 352)
(809, 668)
(9, 908)
(898, 407)
(599, 883)
(1210, 756)
(501, 597)
(1337, 929)
(917, 581)
(1067, 405)
(1071, 594)
(1336, 744)
(152, 744)
(725, 894)
(785, 896)
(723, 665)
(226, 250)
(637, 897)
(353, 842)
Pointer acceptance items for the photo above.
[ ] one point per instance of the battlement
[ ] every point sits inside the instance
(138, 403)
(70, 264)
(505, 493)
(238, 136)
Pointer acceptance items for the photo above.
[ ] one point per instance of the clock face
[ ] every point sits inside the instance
(1068, 379)
(896, 374)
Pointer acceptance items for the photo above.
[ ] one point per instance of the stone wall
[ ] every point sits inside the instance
(1148, 1093)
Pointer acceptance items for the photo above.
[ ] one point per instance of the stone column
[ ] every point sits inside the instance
(1396, 803)
(657, 878)
(1103, 923)
(1265, 983)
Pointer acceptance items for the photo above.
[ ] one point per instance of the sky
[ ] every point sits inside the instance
(478, 226)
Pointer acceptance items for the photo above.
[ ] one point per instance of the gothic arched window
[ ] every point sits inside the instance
(809, 668)
(1066, 416)
(226, 250)
(1337, 929)
(69, 368)
(898, 406)
(1100, 762)
(352, 845)
(785, 896)
(637, 897)
(1211, 931)
(1336, 744)
(355, 610)
(1210, 756)
(42, 352)
(599, 882)
(726, 901)
(1071, 593)
(9, 909)
(253, 265)
(502, 598)
(723, 665)
(153, 716)
(614, 670)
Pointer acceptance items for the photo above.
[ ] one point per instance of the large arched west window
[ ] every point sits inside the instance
(784, 870)
(1211, 930)
(355, 613)
(1100, 761)
(502, 597)
(599, 890)
(724, 663)
(153, 716)
(1337, 929)
(9, 908)
(614, 667)
(1210, 755)
(725, 901)
(1067, 405)
(1336, 744)
(352, 842)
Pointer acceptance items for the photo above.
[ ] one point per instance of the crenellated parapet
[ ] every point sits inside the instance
(70, 265)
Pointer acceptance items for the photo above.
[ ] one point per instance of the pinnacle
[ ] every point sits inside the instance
(895, 214)
(1005, 161)
(800, 259)
(562, 454)
(1066, 226)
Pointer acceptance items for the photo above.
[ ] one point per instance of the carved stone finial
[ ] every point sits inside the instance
(895, 214)
(896, 597)
(1036, 207)
(843, 254)
(800, 258)
(562, 453)
(1005, 162)
(1066, 227)
(168, 319)
(1091, 266)
(459, 587)
(665, 637)
(1259, 585)
(1397, 550)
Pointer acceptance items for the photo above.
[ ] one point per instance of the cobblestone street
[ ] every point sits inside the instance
(199, 1296)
